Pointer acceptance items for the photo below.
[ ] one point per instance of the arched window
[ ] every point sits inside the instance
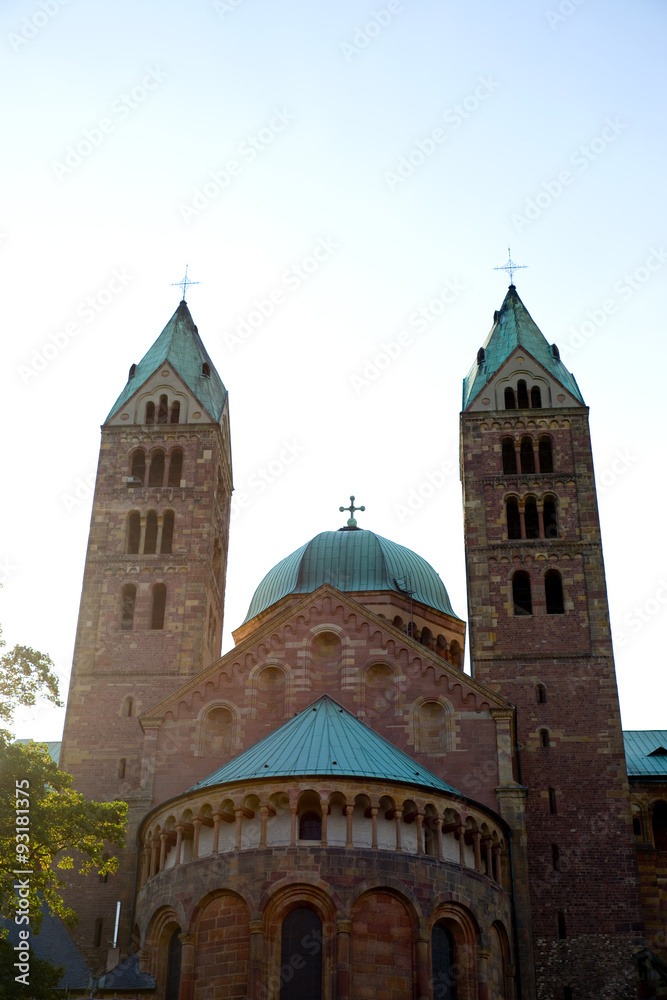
(431, 728)
(301, 951)
(553, 592)
(443, 963)
(175, 414)
(550, 518)
(541, 693)
(175, 467)
(121, 767)
(536, 397)
(510, 402)
(217, 733)
(481, 354)
(527, 455)
(544, 737)
(156, 471)
(167, 531)
(531, 519)
(310, 826)
(206, 370)
(128, 707)
(562, 932)
(173, 978)
(545, 454)
(133, 369)
(138, 465)
(162, 410)
(455, 654)
(660, 826)
(133, 532)
(513, 518)
(552, 802)
(150, 540)
(150, 413)
(97, 933)
(128, 600)
(521, 595)
(509, 456)
(521, 395)
(158, 605)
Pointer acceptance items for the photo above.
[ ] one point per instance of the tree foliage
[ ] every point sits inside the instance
(25, 675)
(44, 977)
(63, 830)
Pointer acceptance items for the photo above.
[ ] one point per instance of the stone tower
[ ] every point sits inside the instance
(153, 589)
(540, 637)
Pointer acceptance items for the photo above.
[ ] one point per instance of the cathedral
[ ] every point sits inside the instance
(334, 809)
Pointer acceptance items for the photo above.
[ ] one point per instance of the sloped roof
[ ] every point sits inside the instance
(357, 560)
(640, 755)
(514, 327)
(127, 976)
(53, 944)
(325, 739)
(53, 747)
(180, 345)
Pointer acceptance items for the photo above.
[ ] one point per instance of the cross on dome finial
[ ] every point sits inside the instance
(185, 282)
(511, 267)
(351, 522)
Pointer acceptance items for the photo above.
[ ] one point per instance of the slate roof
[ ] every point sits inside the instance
(512, 328)
(640, 747)
(127, 976)
(352, 561)
(181, 346)
(53, 747)
(325, 739)
(54, 945)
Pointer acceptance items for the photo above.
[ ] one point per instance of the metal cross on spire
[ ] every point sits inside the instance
(185, 282)
(351, 522)
(510, 267)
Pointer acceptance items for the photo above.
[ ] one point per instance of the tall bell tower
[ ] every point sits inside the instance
(153, 590)
(540, 636)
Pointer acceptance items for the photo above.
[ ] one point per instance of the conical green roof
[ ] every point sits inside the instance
(325, 739)
(352, 561)
(514, 327)
(181, 346)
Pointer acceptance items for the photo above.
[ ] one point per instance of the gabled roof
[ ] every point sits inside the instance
(514, 327)
(357, 560)
(325, 739)
(180, 345)
(127, 976)
(640, 752)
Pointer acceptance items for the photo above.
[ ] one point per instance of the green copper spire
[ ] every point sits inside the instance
(180, 345)
(514, 327)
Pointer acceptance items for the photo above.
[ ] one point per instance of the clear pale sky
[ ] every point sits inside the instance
(356, 163)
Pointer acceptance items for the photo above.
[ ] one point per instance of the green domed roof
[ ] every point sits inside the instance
(352, 561)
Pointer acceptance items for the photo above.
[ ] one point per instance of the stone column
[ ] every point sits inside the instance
(399, 817)
(179, 843)
(343, 930)
(239, 827)
(461, 836)
(187, 987)
(483, 974)
(374, 821)
(195, 840)
(522, 519)
(264, 813)
(423, 977)
(255, 991)
(540, 519)
(155, 855)
(349, 812)
(325, 813)
(158, 541)
(163, 850)
(475, 847)
(419, 820)
(216, 833)
(438, 831)
(146, 867)
(293, 829)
